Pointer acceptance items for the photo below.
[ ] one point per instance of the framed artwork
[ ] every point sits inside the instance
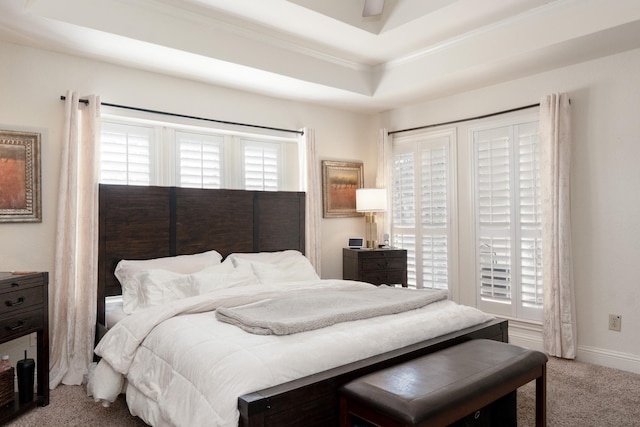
(20, 177)
(339, 183)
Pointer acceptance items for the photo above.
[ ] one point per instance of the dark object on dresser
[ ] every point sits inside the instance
(24, 310)
(377, 266)
(443, 387)
(26, 369)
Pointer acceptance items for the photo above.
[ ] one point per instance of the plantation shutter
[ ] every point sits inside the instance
(494, 213)
(403, 205)
(435, 265)
(261, 166)
(142, 152)
(530, 217)
(125, 154)
(200, 160)
(508, 225)
(420, 211)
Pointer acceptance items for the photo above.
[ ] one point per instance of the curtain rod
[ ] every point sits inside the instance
(145, 110)
(484, 116)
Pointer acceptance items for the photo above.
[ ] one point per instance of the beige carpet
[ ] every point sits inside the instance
(579, 395)
(584, 395)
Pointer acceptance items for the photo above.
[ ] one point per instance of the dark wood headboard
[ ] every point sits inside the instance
(142, 222)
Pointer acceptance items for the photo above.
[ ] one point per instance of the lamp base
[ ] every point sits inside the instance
(371, 230)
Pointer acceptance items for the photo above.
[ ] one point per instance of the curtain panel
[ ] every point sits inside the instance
(311, 183)
(383, 178)
(72, 294)
(559, 320)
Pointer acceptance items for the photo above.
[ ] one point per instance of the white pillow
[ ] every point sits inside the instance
(274, 267)
(213, 278)
(179, 264)
(156, 287)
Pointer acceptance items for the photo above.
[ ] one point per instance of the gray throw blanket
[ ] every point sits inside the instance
(306, 310)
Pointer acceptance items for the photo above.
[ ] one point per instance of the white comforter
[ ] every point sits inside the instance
(185, 368)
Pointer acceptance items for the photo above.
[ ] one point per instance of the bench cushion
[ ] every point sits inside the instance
(458, 379)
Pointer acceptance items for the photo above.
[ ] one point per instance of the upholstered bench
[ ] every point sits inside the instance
(443, 387)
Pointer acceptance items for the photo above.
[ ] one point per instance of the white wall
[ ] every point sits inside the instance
(32, 80)
(605, 193)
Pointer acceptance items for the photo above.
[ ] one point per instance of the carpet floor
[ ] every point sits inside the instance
(578, 394)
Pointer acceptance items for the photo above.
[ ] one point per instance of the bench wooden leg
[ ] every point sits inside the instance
(541, 398)
(344, 414)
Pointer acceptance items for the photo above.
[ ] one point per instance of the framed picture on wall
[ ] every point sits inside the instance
(339, 183)
(20, 199)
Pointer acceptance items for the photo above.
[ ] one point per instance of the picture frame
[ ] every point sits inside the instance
(339, 183)
(20, 180)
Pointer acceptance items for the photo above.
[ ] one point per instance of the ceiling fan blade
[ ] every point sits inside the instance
(372, 7)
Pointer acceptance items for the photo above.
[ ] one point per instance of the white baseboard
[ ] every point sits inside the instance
(611, 359)
(530, 336)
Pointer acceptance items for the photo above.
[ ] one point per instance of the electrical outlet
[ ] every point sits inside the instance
(33, 339)
(615, 322)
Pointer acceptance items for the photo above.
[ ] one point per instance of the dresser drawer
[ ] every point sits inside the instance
(19, 323)
(13, 282)
(384, 277)
(21, 299)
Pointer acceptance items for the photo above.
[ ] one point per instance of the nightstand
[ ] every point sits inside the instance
(24, 306)
(377, 266)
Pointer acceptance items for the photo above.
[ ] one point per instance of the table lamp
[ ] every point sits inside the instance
(370, 201)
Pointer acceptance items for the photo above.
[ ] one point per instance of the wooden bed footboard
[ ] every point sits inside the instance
(313, 400)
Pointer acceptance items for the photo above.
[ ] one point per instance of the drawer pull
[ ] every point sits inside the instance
(15, 284)
(383, 264)
(15, 303)
(17, 326)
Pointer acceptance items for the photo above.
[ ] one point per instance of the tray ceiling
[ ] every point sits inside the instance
(325, 51)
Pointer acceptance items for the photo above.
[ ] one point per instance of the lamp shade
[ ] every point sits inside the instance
(371, 200)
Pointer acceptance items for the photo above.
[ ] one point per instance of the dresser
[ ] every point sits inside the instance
(377, 266)
(24, 310)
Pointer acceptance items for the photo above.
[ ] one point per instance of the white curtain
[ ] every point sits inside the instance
(383, 178)
(72, 292)
(311, 183)
(559, 325)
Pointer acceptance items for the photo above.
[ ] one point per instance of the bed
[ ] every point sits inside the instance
(141, 223)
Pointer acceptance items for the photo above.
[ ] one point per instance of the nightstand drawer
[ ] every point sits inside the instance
(384, 277)
(19, 323)
(21, 299)
(383, 263)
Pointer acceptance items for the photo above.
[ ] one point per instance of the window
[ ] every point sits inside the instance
(200, 160)
(261, 165)
(508, 227)
(149, 153)
(421, 206)
(125, 154)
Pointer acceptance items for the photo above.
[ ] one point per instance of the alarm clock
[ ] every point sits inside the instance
(356, 242)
